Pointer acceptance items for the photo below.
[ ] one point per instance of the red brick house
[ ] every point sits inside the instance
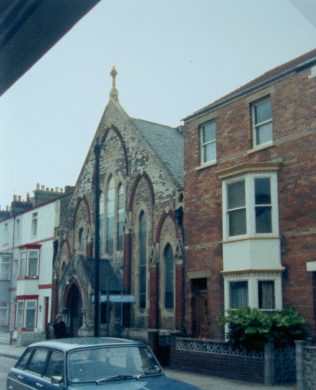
(250, 203)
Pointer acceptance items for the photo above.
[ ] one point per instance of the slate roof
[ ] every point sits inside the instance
(167, 143)
(272, 75)
(106, 273)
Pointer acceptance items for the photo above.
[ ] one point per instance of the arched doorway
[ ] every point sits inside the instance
(74, 306)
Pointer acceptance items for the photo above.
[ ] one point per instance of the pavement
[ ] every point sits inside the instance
(204, 382)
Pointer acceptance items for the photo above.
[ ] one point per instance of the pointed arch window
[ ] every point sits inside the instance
(102, 223)
(81, 240)
(169, 277)
(142, 259)
(110, 204)
(120, 217)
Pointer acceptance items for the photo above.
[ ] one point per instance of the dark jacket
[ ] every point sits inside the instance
(60, 329)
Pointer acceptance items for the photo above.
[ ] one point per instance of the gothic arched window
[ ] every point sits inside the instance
(120, 217)
(169, 277)
(102, 224)
(110, 207)
(142, 259)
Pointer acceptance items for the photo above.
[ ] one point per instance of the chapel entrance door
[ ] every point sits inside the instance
(74, 306)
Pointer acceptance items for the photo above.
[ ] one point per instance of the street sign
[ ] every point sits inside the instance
(116, 298)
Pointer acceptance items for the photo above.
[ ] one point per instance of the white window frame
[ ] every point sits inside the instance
(34, 224)
(29, 257)
(24, 268)
(5, 267)
(17, 230)
(6, 233)
(4, 314)
(22, 308)
(205, 145)
(230, 291)
(253, 280)
(257, 125)
(19, 318)
(249, 180)
(22, 264)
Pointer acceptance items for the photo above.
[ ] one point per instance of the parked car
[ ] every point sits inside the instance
(90, 363)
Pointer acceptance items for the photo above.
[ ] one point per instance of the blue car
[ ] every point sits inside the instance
(90, 363)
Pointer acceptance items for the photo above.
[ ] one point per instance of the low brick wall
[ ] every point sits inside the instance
(270, 367)
(217, 359)
(26, 338)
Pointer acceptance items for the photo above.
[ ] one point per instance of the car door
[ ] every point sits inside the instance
(44, 364)
(17, 376)
(35, 368)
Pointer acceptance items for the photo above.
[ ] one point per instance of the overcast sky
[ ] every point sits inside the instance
(172, 56)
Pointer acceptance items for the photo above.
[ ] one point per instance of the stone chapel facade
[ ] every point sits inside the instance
(140, 225)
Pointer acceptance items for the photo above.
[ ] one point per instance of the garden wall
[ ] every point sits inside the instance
(220, 359)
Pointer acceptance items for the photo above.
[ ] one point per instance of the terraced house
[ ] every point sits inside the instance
(26, 258)
(130, 191)
(250, 206)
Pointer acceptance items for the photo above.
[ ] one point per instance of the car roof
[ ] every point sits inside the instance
(79, 342)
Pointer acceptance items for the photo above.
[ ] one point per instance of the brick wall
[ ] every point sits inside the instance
(293, 100)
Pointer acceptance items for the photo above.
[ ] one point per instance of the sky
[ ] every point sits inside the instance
(173, 57)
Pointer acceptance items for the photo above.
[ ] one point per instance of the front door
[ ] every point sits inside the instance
(202, 321)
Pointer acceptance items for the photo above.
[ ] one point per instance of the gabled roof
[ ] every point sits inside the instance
(270, 76)
(167, 143)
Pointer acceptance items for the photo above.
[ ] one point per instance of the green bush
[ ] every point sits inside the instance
(252, 328)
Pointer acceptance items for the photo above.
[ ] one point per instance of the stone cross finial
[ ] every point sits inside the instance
(114, 91)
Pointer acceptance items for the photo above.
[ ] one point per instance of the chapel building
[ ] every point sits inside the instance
(130, 189)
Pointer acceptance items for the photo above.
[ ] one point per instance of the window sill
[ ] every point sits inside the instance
(251, 238)
(260, 147)
(206, 165)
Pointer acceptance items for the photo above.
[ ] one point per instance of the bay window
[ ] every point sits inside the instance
(26, 314)
(256, 290)
(29, 263)
(250, 205)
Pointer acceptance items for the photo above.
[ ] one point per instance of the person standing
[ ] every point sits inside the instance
(60, 328)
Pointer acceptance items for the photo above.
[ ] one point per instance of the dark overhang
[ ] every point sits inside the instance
(29, 28)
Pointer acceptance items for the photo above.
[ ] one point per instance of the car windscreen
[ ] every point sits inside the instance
(120, 362)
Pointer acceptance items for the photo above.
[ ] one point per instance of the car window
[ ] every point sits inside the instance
(92, 364)
(37, 362)
(22, 362)
(55, 364)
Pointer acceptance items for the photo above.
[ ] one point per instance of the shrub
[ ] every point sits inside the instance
(252, 328)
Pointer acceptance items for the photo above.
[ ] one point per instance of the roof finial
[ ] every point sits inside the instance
(114, 91)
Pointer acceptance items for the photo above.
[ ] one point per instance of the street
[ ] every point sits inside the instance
(5, 364)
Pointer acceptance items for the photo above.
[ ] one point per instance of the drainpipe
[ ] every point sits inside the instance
(97, 150)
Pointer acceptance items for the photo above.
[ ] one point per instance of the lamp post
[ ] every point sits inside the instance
(97, 150)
